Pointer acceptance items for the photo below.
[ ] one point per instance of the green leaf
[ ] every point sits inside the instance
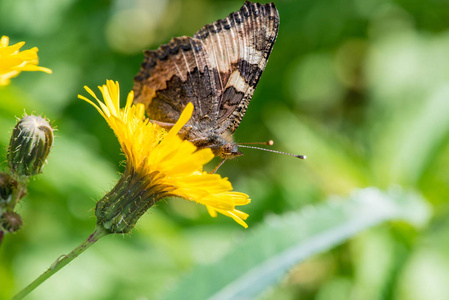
(265, 255)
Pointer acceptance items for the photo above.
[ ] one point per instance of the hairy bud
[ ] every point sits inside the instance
(11, 221)
(30, 144)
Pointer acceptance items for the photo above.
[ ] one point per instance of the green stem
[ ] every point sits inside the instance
(22, 185)
(62, 261)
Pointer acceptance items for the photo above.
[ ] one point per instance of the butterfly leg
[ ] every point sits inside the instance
(163, 124)
(216, 168)
(184, 132)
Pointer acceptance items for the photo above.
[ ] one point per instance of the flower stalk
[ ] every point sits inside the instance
(159, 164)
(62, 261)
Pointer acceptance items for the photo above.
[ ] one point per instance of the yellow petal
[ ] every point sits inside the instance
(170, 163)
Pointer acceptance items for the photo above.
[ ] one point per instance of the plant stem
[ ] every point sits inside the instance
(21, 190)
(62, 261)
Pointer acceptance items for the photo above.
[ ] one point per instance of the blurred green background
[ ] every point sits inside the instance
(360, 87)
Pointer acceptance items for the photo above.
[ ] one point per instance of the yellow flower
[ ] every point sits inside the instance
(159, 164)
(12, 61)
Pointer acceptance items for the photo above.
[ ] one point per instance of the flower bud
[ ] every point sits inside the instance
(10, 221)
(30, 144)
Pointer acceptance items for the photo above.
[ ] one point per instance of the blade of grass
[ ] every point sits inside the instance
(281, 242)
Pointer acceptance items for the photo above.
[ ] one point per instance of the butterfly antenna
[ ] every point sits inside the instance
(270, 142)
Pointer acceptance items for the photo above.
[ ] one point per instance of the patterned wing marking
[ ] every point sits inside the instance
(217, 70)
(240, 46)
(172, 76)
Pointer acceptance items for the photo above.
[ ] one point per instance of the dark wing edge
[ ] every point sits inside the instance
(240, 45)
(174, 75)
(217, 70)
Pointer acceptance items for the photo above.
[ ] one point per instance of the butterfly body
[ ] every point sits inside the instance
(217, 70)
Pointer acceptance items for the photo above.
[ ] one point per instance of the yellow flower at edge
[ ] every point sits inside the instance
(159, 164)
(12, 61)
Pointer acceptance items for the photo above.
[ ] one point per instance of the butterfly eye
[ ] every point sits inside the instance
(227, 149)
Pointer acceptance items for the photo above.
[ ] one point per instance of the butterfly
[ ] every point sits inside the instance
(217, 70)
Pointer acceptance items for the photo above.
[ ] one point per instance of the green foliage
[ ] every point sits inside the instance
(360, 87)
(279, 243)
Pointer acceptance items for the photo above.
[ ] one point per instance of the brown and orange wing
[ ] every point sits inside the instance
(217, 70)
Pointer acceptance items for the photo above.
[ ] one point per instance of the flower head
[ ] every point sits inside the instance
(12, 61)
(159, 164)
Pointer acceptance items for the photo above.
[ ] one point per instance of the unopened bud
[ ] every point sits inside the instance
(30, 144)
(11, 221)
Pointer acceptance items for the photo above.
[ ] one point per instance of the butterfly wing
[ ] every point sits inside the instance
(174, 75)
(239, 47)
(217, 70)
